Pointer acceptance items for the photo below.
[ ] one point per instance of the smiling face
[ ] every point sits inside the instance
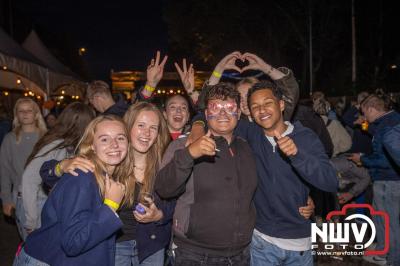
(176, 113)
(222, 116)
(144, 131)
(267, 110)
(110, 143)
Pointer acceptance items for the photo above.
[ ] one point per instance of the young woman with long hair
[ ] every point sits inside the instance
(58, 143)
(145, 234)
(147, 222)
(79, 222)
(28, 127)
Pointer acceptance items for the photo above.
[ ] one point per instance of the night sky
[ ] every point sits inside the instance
(125, 34)
(119, 35)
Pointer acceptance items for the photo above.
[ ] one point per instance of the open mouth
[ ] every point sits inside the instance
(177, 118)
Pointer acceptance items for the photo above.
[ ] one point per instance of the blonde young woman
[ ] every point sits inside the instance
(79, 219)
(146, 232)
(145, 235)
(28, 127)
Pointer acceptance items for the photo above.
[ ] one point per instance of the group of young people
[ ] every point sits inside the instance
(229, 187)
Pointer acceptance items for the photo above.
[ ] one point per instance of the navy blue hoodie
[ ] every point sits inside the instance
(283, 181)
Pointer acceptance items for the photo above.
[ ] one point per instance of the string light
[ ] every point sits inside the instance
(25, 94)
(18, 81)
(4, 68)
(61, 97)
(77, 97)
(62, 92)
(73, 97)
(6, 93)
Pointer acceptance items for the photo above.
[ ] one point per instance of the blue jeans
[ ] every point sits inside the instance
(24, 259)
(264, 253)
(126, 254)
(20, 217)
(186, 257)
(387, 198)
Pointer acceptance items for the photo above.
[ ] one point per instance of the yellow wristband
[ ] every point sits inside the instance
(216, 74)
(199, 122)
(112, 204)
(149, 88)
(57, 170)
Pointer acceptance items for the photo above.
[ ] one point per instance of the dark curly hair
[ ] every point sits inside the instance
(262, 85)
(222, 91)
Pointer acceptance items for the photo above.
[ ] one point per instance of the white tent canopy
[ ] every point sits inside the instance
(15, 59)
(35, 46)
(47, 73)
(8, 81)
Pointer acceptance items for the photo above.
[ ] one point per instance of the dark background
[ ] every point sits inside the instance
(124, 35)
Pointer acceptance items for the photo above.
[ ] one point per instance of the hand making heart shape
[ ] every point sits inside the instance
(242, 62)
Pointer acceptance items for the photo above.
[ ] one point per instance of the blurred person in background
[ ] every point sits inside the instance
(58, 143)
(28, 127)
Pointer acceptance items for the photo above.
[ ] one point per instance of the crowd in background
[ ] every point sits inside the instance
(229, 175)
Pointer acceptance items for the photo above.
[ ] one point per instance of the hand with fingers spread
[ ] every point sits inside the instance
(226, 63)
(186, 75)
(114, 190)
(285, 144)
(155, 70)
(150, 214)
(307, 211)
(70, 165)
(203, 146)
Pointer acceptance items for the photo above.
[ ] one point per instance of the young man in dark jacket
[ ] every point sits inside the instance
(288, 157)
(385, 175)
(215, 179)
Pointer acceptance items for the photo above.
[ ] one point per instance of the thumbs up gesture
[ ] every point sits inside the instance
(202, 146)
(285, 144)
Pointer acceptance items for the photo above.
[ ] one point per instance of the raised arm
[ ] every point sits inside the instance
(155, 72)
(226, 63)
(283, 77)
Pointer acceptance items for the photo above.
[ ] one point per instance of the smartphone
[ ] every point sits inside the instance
(139, 208)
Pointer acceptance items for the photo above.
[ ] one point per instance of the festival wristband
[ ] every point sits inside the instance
(216, 74)
(112, 204)
(149, 88)
(57, 170)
